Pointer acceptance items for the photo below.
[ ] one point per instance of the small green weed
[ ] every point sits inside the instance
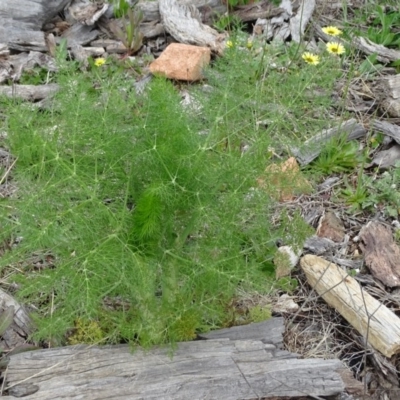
(129, 34)
(383, 28)
(358, 198)
(339, 155)
(121, 8)
(228, 22)
(375, 192)
(36, 76)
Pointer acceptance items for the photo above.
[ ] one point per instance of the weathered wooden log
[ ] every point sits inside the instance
(299, 22)
(21, 22)
(269, 331)
(206, 369)
(183, 23)
(253, 11)
(151, 12)
(15, 323)
(387, 129)
(378, 325)
(383, 53)
(29, 92)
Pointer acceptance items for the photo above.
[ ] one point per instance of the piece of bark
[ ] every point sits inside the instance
(269, 331)
(21, 22)
(19, 326)
(87, 12)
(29, 92)
(28, 61)
(345, 262)
(384, 54)
(80, 34)
(387, 129)
(381, 253)
(285, 305)
(372, 319)
(205, 369)
(386, 158)
(331, 227)
(274, 28)
(388, 91)
(51, 44)
(183, 23)
(152, 29)
(253, 11)
(319, 245)
(312, 147)
(300, 21)
(151, 12)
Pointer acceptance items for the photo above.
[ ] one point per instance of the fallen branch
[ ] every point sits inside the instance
(378, 325)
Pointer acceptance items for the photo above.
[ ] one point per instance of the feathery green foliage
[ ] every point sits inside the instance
(150, 209)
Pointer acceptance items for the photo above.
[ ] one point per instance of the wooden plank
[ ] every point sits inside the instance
(366, 314)
(204, 369)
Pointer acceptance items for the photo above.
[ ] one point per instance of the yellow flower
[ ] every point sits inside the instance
(332, 31)
(335, 48)
(249, 44)
(99, 62)
(310, 58)
(229, 44)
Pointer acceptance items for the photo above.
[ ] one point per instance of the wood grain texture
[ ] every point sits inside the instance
(21, 22)
(183, 23)
(29, 92)
(151, 10)
(366, 314)
(381, 253)
(206, 369)
(388, 129)
(269, 331)
(300, 21)
(19, 325)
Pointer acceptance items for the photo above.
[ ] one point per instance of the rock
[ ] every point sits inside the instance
(182, 62)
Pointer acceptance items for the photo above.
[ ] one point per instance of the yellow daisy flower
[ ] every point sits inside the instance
(310, 58)
(99, 62)
(229, 44)
(332, 31)
(335, 48)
